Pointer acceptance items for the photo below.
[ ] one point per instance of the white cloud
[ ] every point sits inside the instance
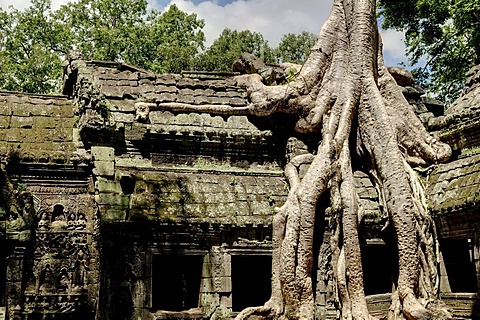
(271, 18)
(22, 4)
(393, 46)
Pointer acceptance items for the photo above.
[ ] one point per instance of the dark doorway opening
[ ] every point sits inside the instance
(377, 268)
(251, 280)
(460, 265)
(176, 282)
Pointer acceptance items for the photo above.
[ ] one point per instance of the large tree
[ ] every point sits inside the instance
(445, 33)
(295, 48)
(345, 95)
(31, 48)
(229, 45)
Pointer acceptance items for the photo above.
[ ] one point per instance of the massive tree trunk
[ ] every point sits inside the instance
(345, 79)
(345, 93)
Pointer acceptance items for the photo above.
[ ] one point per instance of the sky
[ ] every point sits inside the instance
(272, 18)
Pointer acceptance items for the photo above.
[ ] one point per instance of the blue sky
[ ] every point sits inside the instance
(272, 18)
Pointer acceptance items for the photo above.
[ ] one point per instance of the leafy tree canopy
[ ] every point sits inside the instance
(223, 52)
(446, 32)
(121, 30)
(31, 48)
(36, 40)
(295, 48)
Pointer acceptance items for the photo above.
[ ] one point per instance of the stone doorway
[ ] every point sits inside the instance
(176, 281)
(251, 280)
(458, 256)
(377, 268)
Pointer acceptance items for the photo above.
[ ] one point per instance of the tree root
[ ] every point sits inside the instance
(344, 93)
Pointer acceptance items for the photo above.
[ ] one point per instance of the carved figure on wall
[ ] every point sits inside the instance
(44, 223)
(81, 222)
(80, 269)
(18, 204)
(46, 282)
(30, 282)
(71, 221)
(64, 281)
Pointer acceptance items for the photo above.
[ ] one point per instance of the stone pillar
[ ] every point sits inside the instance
(444, 283)
(141, 294)
(476, 258)
(15, 268)
(216, 289)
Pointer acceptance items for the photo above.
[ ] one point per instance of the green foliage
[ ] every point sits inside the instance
(121, 30)
(175, 39)
(31, 49)
(295, 48)
(230, 45)
(103, 29)
(446, 32)
(36, 40)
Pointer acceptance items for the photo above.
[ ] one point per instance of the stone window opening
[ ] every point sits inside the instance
(251, 280)
(176, 280)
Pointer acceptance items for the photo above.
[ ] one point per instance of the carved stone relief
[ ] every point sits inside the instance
(64, 250)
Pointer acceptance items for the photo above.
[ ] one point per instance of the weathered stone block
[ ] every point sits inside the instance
(113, 199)
(226, 302)
(186, 92)
(112, 213)
(145, 200)
(4, 122)
(21, 122)
(167, 79)
(102, 153)
(22, 110)
(182, 98)
(226, 284)
(113, 91)
(127, 83)
(165, 97)
(207, 285)
(104, 168)
(5, 110)
(123, 117)
(136, 132)
(123, 105)
(203, 100)
(107, 186)
(64, 109)
(238, 102)
(165, 89)
(133, 162)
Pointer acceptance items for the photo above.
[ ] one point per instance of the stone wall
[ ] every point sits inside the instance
(37, 128)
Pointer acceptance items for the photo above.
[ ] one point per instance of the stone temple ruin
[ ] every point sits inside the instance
(127, 211)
